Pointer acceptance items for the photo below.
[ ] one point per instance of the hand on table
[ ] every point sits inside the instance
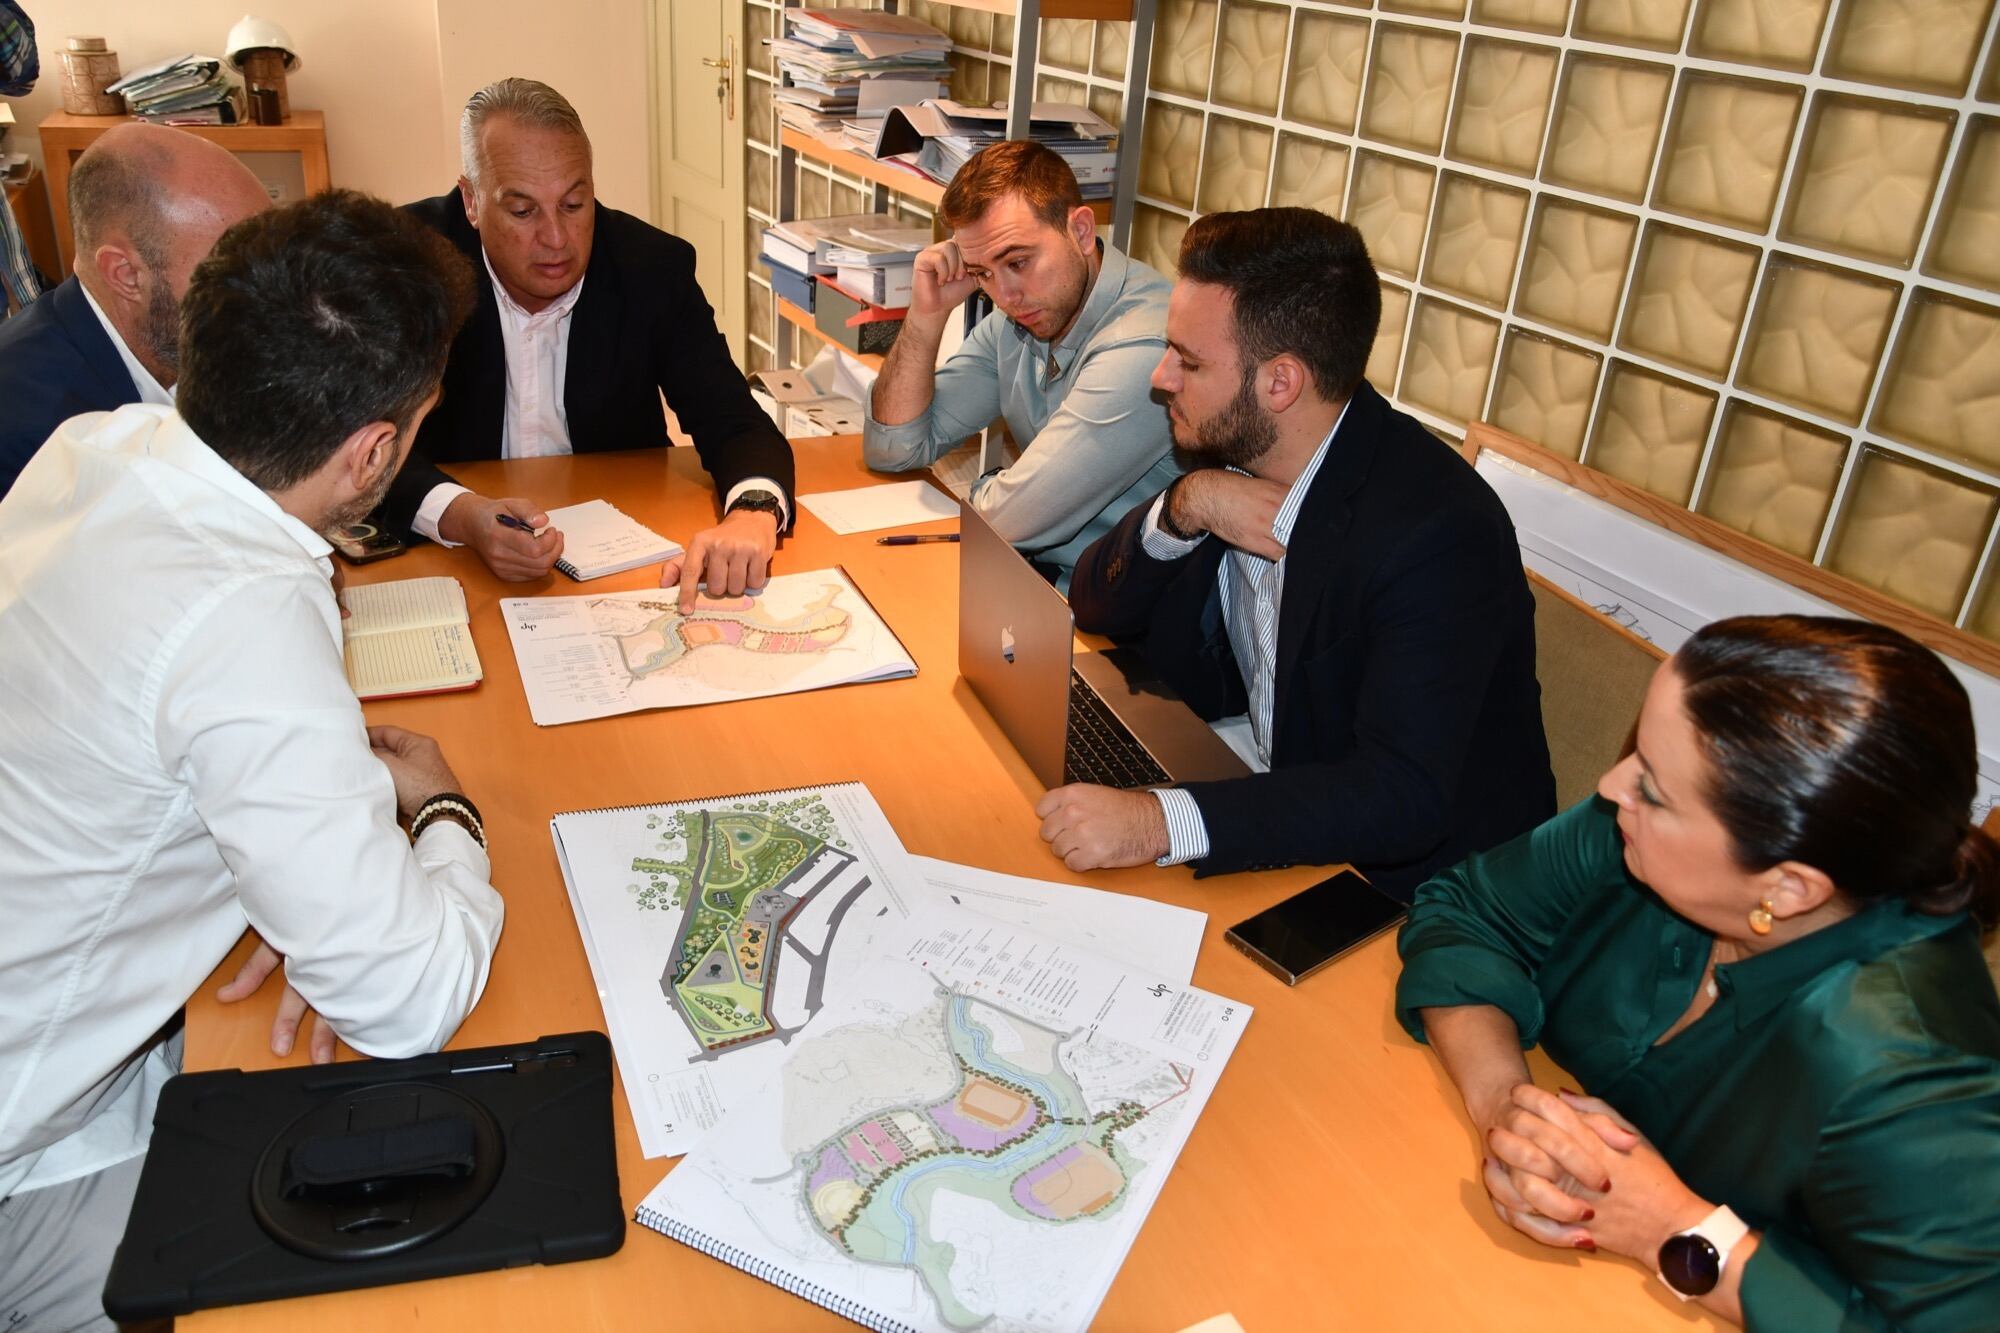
(415, 764)
(1094, 828)
(514, 556)
(291, 1006)
(732, 558)
(1239, 509)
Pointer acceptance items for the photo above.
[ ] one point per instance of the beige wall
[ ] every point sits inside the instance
(592, 51)
(371, 65)
(391, 75)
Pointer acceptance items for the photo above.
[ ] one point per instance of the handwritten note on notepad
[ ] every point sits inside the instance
(599, 539)
(412, 636)
(867, 508)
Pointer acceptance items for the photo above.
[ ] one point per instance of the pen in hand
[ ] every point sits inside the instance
(917, 540)
(509, 521)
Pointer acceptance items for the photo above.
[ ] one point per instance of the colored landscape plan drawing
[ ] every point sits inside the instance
(715, 929)
(970, 1138)
(620, 652)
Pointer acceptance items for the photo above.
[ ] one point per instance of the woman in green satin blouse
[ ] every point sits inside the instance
(1758, 949)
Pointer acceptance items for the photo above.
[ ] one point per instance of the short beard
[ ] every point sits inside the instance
(1238, 435)
(361, 506)
(163, 328)
(1073, 300)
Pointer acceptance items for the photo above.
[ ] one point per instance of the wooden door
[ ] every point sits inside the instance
(698, 59)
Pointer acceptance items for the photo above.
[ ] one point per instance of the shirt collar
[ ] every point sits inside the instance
(1104, 293)
(555, 309)
(150, 390)
(1763, 981)
(176, 442)
(1295, 498)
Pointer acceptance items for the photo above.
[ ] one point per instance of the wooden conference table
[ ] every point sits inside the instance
(1331, 1181)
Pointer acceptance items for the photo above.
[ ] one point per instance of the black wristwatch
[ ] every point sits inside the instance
(761, 500)
(1691, 1261)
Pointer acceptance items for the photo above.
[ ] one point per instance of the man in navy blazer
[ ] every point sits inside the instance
(585, 316)
(147, 204)
(1330, 568)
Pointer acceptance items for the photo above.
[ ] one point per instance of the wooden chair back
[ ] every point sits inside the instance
(1594, 674)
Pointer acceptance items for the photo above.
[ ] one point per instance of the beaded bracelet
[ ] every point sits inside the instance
(454, 807)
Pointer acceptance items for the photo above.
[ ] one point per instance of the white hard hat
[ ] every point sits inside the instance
(250, 34)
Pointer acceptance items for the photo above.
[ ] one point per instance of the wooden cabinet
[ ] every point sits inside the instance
(264, 148)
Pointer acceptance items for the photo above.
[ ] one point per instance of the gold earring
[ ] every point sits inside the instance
(1760, 917)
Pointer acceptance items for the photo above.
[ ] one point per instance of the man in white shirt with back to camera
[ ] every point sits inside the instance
(181, 755)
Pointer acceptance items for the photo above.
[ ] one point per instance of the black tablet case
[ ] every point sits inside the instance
(540, 1110)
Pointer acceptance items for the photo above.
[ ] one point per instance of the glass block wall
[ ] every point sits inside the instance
(1742, 253)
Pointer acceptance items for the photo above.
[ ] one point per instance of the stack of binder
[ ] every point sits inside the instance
(944, 134)
(843, 65)
(184, 90)
(871, 255)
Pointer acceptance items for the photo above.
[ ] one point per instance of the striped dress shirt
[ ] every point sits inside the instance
(1252, 590)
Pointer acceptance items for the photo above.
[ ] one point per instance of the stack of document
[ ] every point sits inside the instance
(871, 255)
(850, 64)
(876, 263)
(184, 90)
(944, 134)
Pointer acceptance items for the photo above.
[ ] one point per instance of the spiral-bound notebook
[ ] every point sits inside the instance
(599, 538)
(970, 1137)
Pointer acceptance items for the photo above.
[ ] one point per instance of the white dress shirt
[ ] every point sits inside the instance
(536, 421)
(142, 378)
(1252, 591)
(181, 756)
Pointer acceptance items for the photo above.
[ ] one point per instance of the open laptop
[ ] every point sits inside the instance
(1075, 717)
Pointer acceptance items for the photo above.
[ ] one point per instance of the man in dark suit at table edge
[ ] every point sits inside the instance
(146, 204)
(1329, 567)
(585, 316)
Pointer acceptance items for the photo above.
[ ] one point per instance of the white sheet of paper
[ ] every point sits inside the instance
(1155, 938)
(868, 508)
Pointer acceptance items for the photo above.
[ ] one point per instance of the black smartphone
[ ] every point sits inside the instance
(1313, 927)
(359, 543)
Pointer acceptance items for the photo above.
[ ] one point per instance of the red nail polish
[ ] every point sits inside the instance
(1587, 1244)
(1588, 1214)
(1605, 1188)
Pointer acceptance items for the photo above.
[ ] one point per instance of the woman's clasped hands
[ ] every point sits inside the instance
(1571, 1172)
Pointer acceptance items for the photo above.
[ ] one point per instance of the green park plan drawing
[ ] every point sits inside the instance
(743, 874)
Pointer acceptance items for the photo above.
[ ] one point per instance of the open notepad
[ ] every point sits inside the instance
(412, 636)
(599, 538)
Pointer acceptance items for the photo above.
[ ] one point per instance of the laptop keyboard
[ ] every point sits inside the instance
(1102, 749)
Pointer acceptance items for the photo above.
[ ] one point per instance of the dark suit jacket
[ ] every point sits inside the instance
(56, 362)
(1406, 719)
(641, 326)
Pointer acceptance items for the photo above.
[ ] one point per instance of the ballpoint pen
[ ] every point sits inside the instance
(509, 521)
(917, 540)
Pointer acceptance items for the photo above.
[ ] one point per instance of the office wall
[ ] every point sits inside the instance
(391, 75)
(592, 51)
(1742, 253)
(370, 65)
